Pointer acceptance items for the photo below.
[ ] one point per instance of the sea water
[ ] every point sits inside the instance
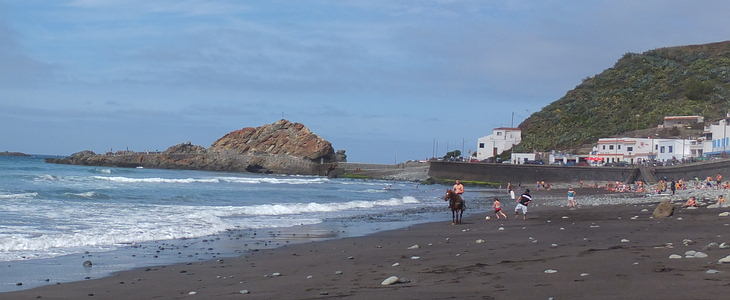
(50, 211)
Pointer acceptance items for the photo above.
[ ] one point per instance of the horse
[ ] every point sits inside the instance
(456, 204)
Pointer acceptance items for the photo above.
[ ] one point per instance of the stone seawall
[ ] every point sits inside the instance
(700, 170)
(528, 174)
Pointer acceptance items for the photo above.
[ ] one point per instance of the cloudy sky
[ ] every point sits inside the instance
(382, 79)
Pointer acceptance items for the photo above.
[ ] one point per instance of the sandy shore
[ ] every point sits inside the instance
(606, 252)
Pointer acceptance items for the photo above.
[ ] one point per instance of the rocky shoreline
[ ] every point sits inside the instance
(282, 147)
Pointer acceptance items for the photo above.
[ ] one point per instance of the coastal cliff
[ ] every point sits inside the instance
(282, 147)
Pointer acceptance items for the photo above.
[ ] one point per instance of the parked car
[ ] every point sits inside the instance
(534, 162)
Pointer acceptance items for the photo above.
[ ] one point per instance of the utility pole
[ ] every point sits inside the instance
(512, 123)
(462, 147)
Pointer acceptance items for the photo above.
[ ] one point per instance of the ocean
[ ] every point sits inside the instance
(55, 217)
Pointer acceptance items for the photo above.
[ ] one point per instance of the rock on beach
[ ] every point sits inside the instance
(663, 210)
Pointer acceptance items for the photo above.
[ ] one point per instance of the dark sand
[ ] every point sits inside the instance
(452, 265)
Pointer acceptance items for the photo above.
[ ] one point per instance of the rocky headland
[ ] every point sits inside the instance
(282, 147)
(6, 153)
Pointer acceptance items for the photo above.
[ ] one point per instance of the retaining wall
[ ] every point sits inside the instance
(528, 174)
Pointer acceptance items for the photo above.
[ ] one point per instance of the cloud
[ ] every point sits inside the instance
(181, 7)
(16, 67)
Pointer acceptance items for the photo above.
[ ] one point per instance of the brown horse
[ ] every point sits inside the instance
(456, 204)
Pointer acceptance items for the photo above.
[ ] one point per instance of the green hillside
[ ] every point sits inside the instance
(637, 92)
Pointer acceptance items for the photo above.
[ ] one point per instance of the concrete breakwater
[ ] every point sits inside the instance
(529, 174)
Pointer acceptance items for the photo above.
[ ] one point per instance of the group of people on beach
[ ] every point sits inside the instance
(522, 202)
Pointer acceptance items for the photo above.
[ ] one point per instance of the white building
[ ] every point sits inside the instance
(521, 158)
(717, 138)
(637, 150)
(501, 139)
(673, 149)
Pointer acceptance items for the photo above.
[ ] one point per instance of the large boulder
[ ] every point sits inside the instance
(663, 210)
(185, 148)
(279, 138)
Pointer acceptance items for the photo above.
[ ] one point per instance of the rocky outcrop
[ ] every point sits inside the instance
(282, 147)
(280, 138)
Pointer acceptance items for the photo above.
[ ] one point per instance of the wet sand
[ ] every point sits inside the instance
(509, 264)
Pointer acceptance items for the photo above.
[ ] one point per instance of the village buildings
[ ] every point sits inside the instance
(501, 139)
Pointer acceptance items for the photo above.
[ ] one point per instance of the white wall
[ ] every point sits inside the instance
(502, 139)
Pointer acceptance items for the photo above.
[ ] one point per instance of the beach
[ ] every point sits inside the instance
(597, 252)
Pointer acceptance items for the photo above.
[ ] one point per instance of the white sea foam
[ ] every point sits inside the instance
(105, 225)
(89, 195)
(19, 196)
(246, 180)
(46, 177)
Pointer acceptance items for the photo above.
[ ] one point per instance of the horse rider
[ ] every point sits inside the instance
(459, 189)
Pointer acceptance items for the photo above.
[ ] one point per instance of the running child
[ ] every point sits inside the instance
(498, 209)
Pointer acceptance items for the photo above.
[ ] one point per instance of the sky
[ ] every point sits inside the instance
(383, 79)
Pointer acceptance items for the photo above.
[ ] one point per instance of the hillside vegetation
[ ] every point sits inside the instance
(637, 92)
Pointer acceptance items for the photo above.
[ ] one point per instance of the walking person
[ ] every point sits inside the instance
(673, 186)
(571, 198)
(522, 203)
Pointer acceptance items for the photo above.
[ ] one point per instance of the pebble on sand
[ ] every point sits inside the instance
(551, 271)
(712, 271)
(390, 280)
(584, 274)
(338, 272)
(192, 293)
(724, 245)
(724, 214)
(690, 253)
(624, 241)
(480, 241)
(415, 257)
(500, 228)
(395, 265)
(675, 256)
(724, 260)
(414, 247)
(243, 292)
(276, 274)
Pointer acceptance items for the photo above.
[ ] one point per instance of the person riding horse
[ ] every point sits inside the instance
(456, 203)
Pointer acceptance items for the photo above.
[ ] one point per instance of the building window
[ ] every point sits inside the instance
(604, 147)
(481, 145)
(670, 149)
(610, 147)
(499, 133)
(661, 149)
(629, 148)
(656, 147)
